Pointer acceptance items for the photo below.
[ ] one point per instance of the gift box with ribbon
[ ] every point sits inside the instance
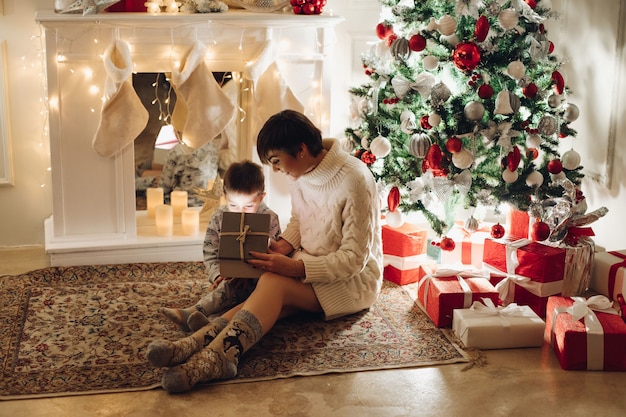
(406, 240)
(442, 291)
(609, 273)
(405, 270)
(525, 272)
(242, 233)
(469, 246)
(586, 333)
(487, 326)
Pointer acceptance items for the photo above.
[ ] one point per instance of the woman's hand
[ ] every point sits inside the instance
(281, 246)
(277, 263)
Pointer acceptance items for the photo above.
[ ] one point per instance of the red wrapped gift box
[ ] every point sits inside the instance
(468, 249)
(441, 295)
(406, 240)
(537, 274)
(128, 6)
(518, 224)
(408, 270)
(597, 341)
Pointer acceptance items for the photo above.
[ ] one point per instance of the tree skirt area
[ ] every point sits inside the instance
(84, 330)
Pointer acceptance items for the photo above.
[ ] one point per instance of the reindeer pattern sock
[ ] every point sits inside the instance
(162, 353)
(218, 360)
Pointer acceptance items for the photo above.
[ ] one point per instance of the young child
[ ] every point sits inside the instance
(244, 190)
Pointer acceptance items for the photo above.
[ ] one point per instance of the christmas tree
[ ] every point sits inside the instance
(465, 106)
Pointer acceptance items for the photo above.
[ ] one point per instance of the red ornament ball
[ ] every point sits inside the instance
(555, 166)
(530, 90)
(368, 157)
(447, 244)
(485, 91)
(454, 144)
(497, 231)
(531, 3)
(383, 31)
(481, 29)
(417, 43)
(424, 122)
(539, 231)
(466, 56)
(308, 6)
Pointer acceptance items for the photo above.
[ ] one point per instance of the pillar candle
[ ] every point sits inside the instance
(154, 197)
(164, 220)
(190, 219)
(178, 200)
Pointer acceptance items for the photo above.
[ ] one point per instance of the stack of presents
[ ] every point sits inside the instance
(514, 292)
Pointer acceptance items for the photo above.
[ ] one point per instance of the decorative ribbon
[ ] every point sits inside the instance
(574, 233)
(613, 271)
(506, 287)
(488, 308)
(443, 187)
(622, 306)
(460, 274)
(584, 308)
(242, 234)
(422, 84)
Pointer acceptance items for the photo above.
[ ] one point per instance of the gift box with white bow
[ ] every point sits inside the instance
(487, 326)
(469, 246)
(586, 333)
(444, 290)
(525, 272)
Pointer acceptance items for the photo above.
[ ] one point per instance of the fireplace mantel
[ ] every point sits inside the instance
(94, 220)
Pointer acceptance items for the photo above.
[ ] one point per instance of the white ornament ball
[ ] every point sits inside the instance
(516, 70)
(447, 25)
(558, 177)
(474, 110)
(571, 112)
(555, 100)
(430, 63)
(394, 218)
(534, 179)
(508, 18)
(547, 125)
(471, 224)
(570, 159)
(463, 159)
(380, 147)
(434, 120)
(451, 39)
(509, 176)
(419, 143)
(534, 141)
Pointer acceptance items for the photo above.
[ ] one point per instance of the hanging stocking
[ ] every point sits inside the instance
(123, 115)
(271, 92)
(208, 110)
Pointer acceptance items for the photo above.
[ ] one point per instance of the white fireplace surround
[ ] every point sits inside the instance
(94, 220)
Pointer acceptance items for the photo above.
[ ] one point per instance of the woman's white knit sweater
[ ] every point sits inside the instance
(335, 222)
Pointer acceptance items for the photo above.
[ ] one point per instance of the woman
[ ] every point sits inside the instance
(328, 260)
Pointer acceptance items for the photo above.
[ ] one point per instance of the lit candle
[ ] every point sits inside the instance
(154, 198)
(164, 220)
(190, 219)
(153, 6)
(178, 200)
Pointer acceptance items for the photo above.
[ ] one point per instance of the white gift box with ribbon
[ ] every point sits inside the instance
(486, 326)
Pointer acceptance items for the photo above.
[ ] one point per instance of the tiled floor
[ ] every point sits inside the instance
(516, 382)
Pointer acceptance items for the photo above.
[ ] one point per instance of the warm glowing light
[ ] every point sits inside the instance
(88, 73)
(94, 90)
(61, 58)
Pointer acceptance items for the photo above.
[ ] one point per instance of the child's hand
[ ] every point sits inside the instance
(281, 246)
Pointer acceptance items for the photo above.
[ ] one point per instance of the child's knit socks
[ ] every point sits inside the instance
(162, 353)
(178, 316)
(197, 320)
(218, 360)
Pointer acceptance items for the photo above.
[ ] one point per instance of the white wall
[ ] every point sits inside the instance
(24, 206)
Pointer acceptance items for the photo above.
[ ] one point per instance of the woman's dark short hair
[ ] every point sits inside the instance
(287, 131)
(244, 177)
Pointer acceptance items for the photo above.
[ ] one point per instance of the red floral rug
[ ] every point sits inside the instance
(85, 329)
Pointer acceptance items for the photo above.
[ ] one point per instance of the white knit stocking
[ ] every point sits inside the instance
(123, 115)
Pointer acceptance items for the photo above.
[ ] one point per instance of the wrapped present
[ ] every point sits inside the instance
(242, 233)
(405, 270)
(406, 240)
(586, 334)
(468, 248)
(609, 273)
(518, 223)
(446, 289)
(525, 272)
(579, 260)
(487, 326)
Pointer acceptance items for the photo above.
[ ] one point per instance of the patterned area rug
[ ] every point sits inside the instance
(84, 330)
